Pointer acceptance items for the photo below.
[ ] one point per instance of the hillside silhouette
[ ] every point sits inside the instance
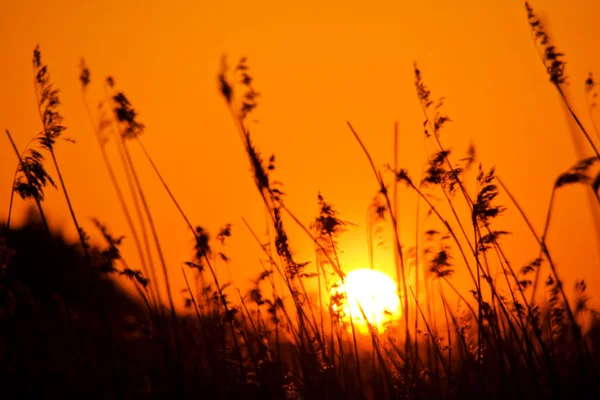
(66, 328)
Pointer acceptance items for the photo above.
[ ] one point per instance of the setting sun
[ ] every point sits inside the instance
(375, 292)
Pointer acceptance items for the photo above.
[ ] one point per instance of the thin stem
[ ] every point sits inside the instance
(165, 186)
(121, 200)
(152, 229)
(80, 232)
(583, 130)
(401, 274)
(546, 252)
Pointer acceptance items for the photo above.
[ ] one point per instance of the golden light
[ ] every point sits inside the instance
(374, 291)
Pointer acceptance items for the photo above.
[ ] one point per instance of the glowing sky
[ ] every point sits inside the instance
(316, 66)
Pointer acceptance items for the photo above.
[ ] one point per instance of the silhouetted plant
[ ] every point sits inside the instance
(483, 210)
(100, 129)
(32, 176)
(440, 259)
(30, 179)
(47, 103)
(554, 63)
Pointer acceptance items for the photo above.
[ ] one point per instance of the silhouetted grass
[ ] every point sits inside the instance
(67, 330)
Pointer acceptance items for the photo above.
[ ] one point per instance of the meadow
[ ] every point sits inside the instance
(470, 323)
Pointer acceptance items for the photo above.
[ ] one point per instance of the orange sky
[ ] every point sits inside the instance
(316, 66)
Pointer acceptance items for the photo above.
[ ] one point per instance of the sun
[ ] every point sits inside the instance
(371, 290)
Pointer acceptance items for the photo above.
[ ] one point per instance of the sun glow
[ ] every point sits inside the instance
(371, 290)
